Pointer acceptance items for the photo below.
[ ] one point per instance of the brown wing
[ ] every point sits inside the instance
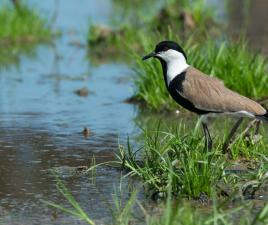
(207, 93)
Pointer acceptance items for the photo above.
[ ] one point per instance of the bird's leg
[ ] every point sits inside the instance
(243, 134)
(256, 137)
(258, 123)
(229, 139)
(207, 136)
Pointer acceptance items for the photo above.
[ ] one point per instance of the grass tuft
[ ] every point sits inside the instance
(77, 211)
(22, 26)
(195, 171)
(21, 29)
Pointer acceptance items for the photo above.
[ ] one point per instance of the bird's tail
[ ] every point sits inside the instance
(264, 117)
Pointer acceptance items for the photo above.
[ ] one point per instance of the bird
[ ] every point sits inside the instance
(200, 93)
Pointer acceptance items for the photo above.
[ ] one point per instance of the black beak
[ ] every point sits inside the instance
(152, 54)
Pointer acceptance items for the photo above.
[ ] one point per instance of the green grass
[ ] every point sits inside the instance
(249, 150)
(21, 29)
(111, 44)
(185, 214)
(174, 166)
(195, 171)
(240, 68)
(76, 209)
(169, 212)
(22, 26)
(105, 44)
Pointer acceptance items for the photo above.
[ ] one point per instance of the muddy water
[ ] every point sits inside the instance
(41, 119)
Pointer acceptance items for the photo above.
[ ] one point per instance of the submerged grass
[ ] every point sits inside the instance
(241, 70)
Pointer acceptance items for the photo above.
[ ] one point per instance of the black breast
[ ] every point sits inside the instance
(176, 87)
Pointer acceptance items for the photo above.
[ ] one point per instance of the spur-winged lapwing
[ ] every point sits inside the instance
(199, 92)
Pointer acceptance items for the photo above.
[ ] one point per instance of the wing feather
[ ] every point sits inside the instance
(208, 93)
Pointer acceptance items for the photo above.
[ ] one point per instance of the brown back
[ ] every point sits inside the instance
(208, 93)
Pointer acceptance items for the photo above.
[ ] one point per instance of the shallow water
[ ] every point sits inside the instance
(42, 119)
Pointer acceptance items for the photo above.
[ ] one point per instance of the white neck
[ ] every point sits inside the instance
(176, 63)
(174, 68)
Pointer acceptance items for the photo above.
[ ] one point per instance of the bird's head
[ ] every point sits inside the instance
(167, 51)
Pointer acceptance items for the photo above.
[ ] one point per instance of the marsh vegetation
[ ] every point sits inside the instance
(170, 212)
(173, 163)
(22, 28)
(161, 173)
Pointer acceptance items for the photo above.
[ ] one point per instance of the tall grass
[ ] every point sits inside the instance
(19, 26)
(173, 165)
(240, 68)
(195, 171)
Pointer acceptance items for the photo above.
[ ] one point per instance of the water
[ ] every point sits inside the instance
(41, 119)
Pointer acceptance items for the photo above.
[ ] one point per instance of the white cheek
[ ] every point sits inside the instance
(171, 55)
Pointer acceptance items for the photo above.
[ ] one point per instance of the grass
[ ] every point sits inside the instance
(21, 28)
(169, 212)
(174, 166)
(122, 212)
(108, 43)
(241, 70)
(249, 150)
(195, 171)
(23, 25)
(76, 209)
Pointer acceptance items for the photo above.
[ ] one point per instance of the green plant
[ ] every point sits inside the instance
(122, 211)
(76, 210)
(171, 212)
(21, 29)
(181, 16)
(195, 172)
(22, 26)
